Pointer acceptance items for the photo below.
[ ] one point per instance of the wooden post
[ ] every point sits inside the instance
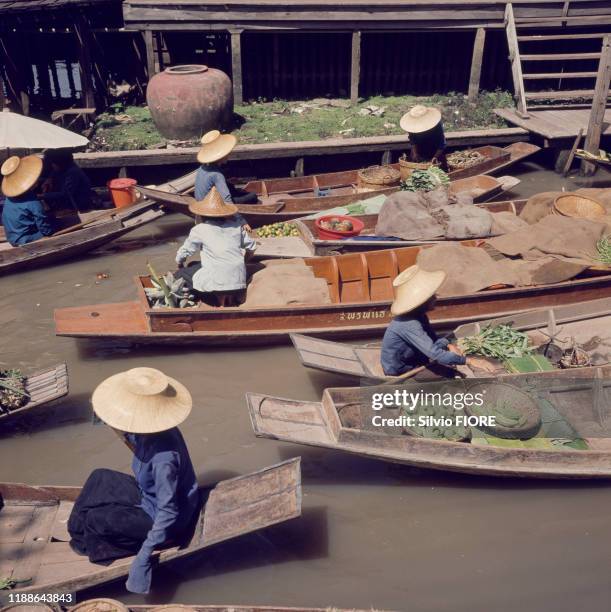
(599, 104)
(516, 61)
(386, 158)
(355, 67)
(16, 83)
(150, 53)
(83, 35)
(1, 92)
(476, 63)
(236, 65)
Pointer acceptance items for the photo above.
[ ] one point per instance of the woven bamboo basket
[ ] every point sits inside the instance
(574, 205)
(100, 605)
(378, 177)
(407, 167)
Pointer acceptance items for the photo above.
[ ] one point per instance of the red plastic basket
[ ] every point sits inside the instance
(326, 234)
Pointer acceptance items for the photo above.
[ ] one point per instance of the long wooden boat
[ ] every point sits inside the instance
(367, 240)
(35, 541)
(84, 607)
(587, 323)
(344, 421)
(80, 240)
(42, 388)
(360, 290)
(481, 188)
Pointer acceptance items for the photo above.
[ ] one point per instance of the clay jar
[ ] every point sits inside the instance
(188, 101)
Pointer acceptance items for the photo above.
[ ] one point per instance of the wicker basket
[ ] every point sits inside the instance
(574, 205)
(100, 605)
(407, 167)
(378, 177)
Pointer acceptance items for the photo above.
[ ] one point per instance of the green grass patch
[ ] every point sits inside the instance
(319, 119)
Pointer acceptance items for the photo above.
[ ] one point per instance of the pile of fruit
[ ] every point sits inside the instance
(426, 180)
(335, 224)
(12, 390)
(277, 230)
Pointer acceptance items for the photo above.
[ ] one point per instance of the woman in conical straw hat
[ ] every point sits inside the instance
(23, 216)
(117, 515)
(409, 340)
(426, 136)
(223, 243)
(215, 148)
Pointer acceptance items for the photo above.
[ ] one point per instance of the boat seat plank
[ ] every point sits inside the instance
(318, 361)
(14, 523)
(290, 420)
(59, 530)
(354, 281)
(323, 347)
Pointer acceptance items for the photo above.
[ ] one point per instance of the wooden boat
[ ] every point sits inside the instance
(343, 421)
(35, 541)
(95, 230)
(221, 608)
(587, 323)
(277, 208)
(360, 290)
(366, 241)
(43, 387)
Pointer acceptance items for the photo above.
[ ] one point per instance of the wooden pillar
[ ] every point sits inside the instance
(599, 104)
(355, 67)
(236, 66)
(16, 83)
(150, 54)
(1, 92)
(83, 36)
(476, 63)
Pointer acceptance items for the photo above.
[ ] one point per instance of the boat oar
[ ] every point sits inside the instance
(405, 375)
(72, 228)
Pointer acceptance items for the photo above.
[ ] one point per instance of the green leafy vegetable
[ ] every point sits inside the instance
(501, 342)
(426, 180)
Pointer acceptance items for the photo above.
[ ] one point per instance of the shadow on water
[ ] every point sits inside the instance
(303, 539)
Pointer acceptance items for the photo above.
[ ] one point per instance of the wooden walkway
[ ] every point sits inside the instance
(555, 125)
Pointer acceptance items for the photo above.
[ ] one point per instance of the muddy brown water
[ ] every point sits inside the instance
(372, 534)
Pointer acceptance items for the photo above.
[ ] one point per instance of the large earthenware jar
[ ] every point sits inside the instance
(187, 101)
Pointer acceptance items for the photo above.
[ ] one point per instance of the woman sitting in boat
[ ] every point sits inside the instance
(67, 185)
(224, 243)
(409, 340)
(23, 215)
(214, 151)
(118, 515)
(426, 136)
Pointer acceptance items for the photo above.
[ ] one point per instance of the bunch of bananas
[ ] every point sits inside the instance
(277, 230)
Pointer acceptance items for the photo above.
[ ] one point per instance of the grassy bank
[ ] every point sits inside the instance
(278, 121)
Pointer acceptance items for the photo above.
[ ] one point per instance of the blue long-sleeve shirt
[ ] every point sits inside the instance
(170, 496)
(208, 176)
(73, 187)
(25, 220)
(410, 342)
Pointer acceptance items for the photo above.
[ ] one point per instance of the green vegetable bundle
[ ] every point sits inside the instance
(603, 246)
(12, 390)
(501, 342)
(276, 230)
(426, 180)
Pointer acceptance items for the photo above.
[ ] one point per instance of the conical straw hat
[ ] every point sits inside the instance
(413, 287)
(212, 205)
(215, 146)
(142, 400)
(420, 119)
(20, 174)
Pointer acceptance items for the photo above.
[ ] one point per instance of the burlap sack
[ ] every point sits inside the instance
(406, 215)
(467, 221)
(539, 206)
(602, 195)
(285, 282)
(570, 239)
(506, 222)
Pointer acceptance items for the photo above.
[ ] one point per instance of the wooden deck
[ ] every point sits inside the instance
(559, 125)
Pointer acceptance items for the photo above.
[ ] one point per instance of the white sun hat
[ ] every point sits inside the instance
(142, 400)
(215, 146)
(413, 287)
(420, 119)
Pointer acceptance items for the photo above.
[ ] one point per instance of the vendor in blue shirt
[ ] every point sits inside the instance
(426, 135)
(67, 185)
(117, 515)
(23, 215)
(212, 155)
(409, 340)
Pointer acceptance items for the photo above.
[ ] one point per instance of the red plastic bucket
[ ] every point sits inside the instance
(122, 191)
(327, 234)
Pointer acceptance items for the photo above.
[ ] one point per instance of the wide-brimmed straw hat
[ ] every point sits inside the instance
(19, 175)
(420, 119)
(215, 146)
(413, 287)
(142, 400)
(212, 205)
